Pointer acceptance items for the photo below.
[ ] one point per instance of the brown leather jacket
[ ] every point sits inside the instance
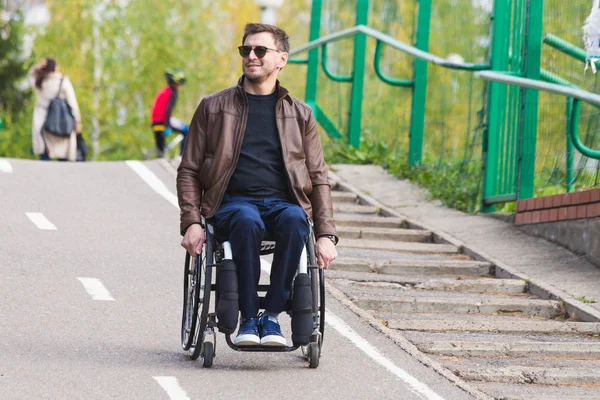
(213, 147)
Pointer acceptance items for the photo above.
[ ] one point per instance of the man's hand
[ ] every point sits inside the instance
(326, 252)
(194, 239)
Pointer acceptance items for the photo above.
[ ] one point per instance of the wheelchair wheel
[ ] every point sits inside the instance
(208, 353)
(202, 279)
(190, 302)
(317, 279)
(312, 351)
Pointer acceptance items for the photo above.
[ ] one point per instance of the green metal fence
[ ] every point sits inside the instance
(559, 166)
(432, 110)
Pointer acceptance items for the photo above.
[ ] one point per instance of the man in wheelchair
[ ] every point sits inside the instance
(253, 163)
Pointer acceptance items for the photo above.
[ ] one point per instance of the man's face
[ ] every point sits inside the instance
(257, 70)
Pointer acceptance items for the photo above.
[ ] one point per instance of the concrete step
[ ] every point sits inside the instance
(530, 375)
(501, 362)
(343, 197)
(390, 289)
(506, 391)
(425, 283)
(399, 246)
(478, 323)
(474, 304)
(395, 234)
(577, 350)
(418, 267)
(339, 208)
(495, 337)
(369, 221)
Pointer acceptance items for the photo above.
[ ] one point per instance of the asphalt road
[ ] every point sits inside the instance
(120, 237)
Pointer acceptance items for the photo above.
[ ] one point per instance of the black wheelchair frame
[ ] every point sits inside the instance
(199, 320)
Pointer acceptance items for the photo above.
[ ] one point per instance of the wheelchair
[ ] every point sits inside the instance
(201, 296)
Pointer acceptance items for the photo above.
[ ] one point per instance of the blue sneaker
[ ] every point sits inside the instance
(270, 332)
(248, 333)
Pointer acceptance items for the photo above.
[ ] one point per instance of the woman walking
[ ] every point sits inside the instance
(50, 83)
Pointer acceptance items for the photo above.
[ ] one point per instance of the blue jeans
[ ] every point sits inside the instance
(245, 220)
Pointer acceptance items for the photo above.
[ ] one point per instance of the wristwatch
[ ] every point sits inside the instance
(333, 238)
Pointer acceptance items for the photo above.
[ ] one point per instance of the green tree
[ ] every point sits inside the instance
(14, 100)
(116, 51)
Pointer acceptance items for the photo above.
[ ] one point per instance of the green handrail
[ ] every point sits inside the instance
(390, 41)
(570, 161)
(566, 47)
(297, 61)
(381, 75)
(583, 149)
(578, 95)
(361, 31)
(331, 75)
(510, 79)
(553, 78)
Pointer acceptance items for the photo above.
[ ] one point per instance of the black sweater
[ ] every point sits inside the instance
(260, 171)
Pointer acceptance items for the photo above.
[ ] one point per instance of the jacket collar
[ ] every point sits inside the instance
(281, 91)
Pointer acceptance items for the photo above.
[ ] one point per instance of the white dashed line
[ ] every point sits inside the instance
(96, 289)
(413, 384)
(171, 386)
(152, 180)
(40, 221)
(5, 167)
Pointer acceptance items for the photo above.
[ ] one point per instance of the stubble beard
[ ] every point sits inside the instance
(260, 78)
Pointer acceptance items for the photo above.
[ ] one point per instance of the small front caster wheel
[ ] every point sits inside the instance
(313, 354)
(208, 352)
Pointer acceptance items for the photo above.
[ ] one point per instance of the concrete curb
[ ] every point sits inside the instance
(405, 345)
(573, 307)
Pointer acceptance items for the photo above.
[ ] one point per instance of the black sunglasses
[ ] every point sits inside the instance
(260, 51)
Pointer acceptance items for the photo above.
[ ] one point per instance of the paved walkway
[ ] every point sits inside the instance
(504, 244)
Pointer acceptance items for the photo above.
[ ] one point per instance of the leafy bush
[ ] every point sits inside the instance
(455, 183)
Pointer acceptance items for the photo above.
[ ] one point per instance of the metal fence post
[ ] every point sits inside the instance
(533, 50)
(496, 108)
(310, 96)
(570, 150)
(417, 115)
(358, 75)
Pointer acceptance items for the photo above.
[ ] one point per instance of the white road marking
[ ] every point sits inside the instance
(171, 386)
(40, 221)
(152, 180)
(5, 167)
(96, 289)
(414, 385)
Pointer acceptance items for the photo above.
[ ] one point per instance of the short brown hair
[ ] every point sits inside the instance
(281, 38)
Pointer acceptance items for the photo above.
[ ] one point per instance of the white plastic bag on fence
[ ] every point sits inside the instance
(591, 37)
